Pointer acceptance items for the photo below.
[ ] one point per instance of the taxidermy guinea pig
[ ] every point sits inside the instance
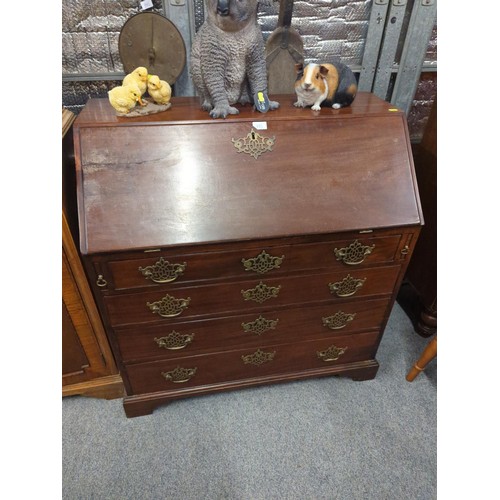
(320, 85)
(228, 57)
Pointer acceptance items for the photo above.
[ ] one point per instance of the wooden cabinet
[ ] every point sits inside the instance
(258, 249)
(418, 297)
(88, 367)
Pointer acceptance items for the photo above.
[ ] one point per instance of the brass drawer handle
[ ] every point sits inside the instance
(331, 354)
(174, 340)
(261, 293)
(163, 271)
(180, 375)
(354, 254)
(338, 320)
(262, 263)
(258, 357)
(168, 306)
(101, 281)
(260, 325)
(347, 286)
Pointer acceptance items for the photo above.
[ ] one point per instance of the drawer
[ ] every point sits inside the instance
(250, 330)
(250, 363)
(161, 268)
(257, 295)
(158, 269)
(349, 254)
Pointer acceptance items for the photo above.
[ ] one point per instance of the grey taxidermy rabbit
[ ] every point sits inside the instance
(227, 57)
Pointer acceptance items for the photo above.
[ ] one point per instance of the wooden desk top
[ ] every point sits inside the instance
(188, 110)
(176, 178)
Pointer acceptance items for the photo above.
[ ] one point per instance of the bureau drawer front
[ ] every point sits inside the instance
(250, 330)
(250, 363)
(146, 272)
(160, 268)
(243, 296)
(346, 253)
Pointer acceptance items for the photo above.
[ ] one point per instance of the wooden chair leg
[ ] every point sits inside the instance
(428, 355)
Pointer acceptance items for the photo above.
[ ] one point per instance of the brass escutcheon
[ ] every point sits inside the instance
(347, 286)
(338, 320)
(180, 375)
(332, 353)
(260, 325)
(168, 306)
(163, 271)
(174, 340)
(258, 357)
(261, 293)
(262, 263)
(253, 144)
(354, 254)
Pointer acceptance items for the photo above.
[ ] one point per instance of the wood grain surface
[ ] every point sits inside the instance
(169, 179)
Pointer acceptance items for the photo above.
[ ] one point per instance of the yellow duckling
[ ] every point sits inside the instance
(159, 90)
(124, 98)
(140, 77)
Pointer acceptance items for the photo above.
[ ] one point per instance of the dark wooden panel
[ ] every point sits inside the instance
(419, 296)
(292, 325)
(213, 368)
(125, 274)
(227, 298)
(190, 184)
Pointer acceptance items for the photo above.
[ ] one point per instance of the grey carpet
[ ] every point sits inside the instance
(328, 438)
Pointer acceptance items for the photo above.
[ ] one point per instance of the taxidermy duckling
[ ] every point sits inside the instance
(140, 77)
(159, 90)
(124, 98)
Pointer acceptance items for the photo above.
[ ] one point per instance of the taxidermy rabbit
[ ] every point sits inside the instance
(227, 57)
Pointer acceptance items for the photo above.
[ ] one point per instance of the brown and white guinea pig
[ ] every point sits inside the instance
(320, 85)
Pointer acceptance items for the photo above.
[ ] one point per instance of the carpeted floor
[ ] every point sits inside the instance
(328, 438)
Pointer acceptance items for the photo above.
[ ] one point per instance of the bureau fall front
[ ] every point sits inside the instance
(259, 249)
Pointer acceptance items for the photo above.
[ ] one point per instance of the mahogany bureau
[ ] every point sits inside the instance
(257, 249)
